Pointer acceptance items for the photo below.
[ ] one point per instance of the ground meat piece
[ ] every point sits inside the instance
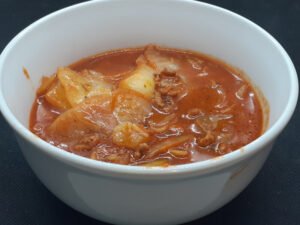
(208, 139)
(87, 142)
(169, 100)
(115, 155)
(169, 87)
(137, 154)
(171, 91)
(156, 78)
(174, 91)
(170, 83)
(143, 147)
(223, 148)
(163, 103)
(165, 90)
(157, 100)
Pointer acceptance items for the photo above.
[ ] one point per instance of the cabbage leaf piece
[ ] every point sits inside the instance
(130, 106)
(78, 88)
(91, 116)
(141, 80)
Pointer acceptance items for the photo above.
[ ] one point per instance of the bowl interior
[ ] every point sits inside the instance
(86, 29)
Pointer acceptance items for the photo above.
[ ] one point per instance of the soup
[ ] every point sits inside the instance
(150, 106)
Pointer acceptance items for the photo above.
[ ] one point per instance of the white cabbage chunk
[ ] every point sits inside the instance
(130, 106)
(160, 62)
(56, 96)
(141, 80)
(92, 116)
(130, 135)
(77, 87)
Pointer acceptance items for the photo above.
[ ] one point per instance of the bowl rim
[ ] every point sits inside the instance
(202, 167)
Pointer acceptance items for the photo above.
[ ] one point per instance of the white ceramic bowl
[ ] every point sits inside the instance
(136, 195)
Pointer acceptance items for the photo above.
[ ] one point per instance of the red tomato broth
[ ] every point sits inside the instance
(212, 88)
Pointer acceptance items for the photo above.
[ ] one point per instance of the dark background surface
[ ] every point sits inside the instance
(272, 198)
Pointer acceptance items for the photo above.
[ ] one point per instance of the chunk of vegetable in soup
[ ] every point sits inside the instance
(149, 106)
